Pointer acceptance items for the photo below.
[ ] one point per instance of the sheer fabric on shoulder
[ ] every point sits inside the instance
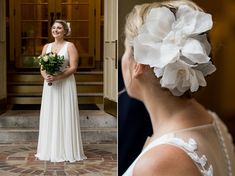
(209, 146)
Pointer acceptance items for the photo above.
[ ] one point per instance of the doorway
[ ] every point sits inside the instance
(31, 20)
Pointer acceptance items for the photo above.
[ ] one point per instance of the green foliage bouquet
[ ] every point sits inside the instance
(51, 63)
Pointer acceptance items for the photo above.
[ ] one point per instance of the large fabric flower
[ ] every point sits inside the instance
(179, 77)
(174, 45)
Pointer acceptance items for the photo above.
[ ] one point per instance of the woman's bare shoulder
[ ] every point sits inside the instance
(70, 44)
(165, 160)
(46, 45)
(44, 48)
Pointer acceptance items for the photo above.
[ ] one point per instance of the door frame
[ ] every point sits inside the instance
(110, 56)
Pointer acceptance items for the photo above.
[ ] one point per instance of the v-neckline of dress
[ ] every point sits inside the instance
(60, 48)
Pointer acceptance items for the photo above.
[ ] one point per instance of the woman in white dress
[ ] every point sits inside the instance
(166, 58)
(59, 130)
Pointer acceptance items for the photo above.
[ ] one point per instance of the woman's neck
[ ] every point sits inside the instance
(59, 40)
(169, 113)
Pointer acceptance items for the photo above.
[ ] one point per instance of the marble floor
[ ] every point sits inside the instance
(18, 159)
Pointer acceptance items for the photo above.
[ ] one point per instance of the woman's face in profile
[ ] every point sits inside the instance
(57, 30)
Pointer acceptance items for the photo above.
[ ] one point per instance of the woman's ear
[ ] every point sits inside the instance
(139, 69)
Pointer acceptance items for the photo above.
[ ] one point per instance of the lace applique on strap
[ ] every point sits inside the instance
(191, 147)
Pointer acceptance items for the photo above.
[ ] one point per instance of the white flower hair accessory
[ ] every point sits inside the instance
(175, 46)
(69, 29)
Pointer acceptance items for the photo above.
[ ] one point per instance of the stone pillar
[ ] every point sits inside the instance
(3, 80)
(110, 55)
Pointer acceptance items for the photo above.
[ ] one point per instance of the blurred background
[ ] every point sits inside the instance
(219, 95)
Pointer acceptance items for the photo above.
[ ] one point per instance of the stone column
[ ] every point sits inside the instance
(3, 80)
(110, 55)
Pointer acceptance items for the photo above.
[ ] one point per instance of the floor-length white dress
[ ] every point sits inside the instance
(59, 129)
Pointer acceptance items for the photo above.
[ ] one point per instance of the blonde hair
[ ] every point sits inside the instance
(137, 16)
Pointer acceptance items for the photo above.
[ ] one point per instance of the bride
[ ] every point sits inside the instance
(166, 58)
(59, 131)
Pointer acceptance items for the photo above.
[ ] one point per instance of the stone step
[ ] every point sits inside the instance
(92, 76)
(31, 83)
(30, 119)
(91, 98)
(38, 94)
(23, 88)
(26, 87)
(25, 135)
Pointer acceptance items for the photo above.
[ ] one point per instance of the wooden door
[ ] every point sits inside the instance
(81, 15)
(30, 28)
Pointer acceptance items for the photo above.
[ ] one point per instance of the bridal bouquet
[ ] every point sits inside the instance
(51, 63)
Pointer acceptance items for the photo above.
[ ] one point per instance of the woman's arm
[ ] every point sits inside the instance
(73, 62)
(43, 73)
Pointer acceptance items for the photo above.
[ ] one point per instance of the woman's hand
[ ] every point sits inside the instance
(51, 78)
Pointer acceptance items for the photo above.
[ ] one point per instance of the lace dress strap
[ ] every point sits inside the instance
(191, 147)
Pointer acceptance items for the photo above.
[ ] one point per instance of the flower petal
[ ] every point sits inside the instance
(176, 78)
(194, 51)
(201, 78)
(197, 79)
(159, 22)
(158, 71)
(141, 53)
(147, 39)
(155, 54)
(169, 54)
(203, 22)
(192, 22)
(194, 85)
(206, 68)
(204, 42)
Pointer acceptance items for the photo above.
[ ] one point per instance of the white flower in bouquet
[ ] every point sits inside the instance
(45, 58)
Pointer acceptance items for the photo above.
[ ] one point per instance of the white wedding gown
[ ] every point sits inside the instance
(209, 146)
(59, 130)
